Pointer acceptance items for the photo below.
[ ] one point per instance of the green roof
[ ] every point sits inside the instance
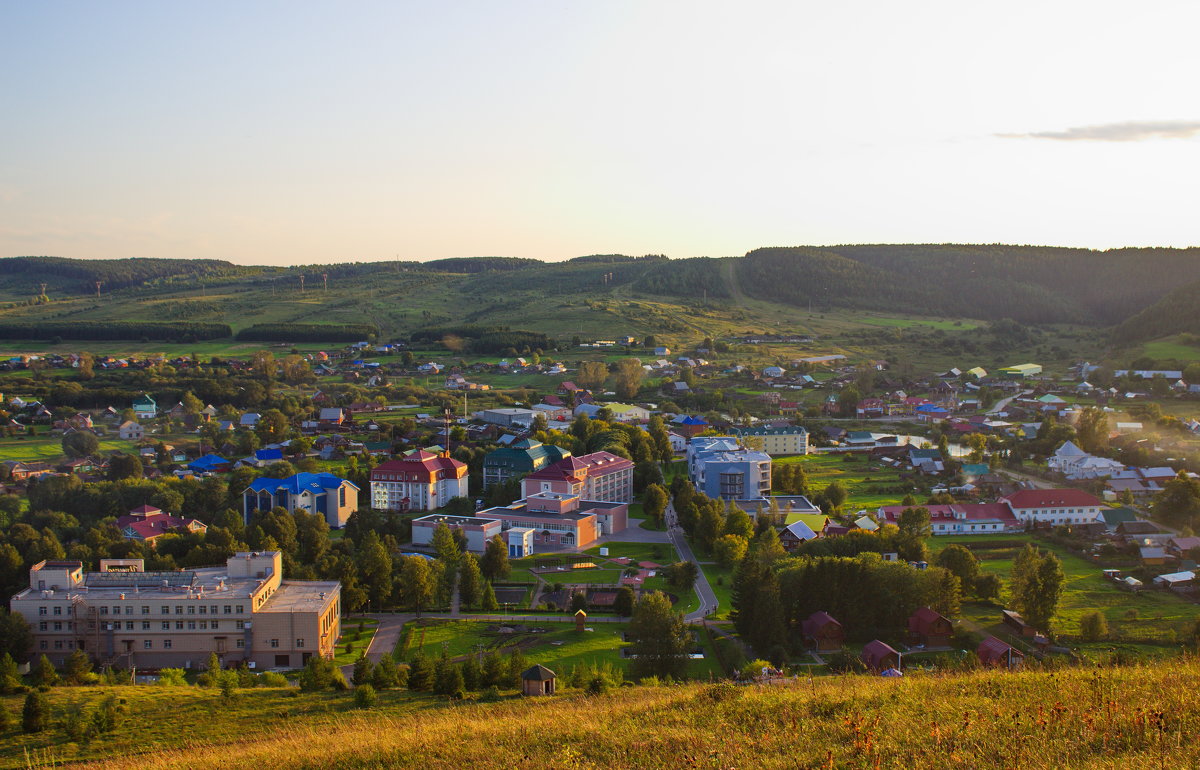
(976, 469)
(1118, 515)
(815, 521)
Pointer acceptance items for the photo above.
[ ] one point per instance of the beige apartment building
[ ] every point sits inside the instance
(124, 616)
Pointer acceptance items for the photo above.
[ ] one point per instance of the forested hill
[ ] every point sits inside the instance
(990, 282)
(1177, 312)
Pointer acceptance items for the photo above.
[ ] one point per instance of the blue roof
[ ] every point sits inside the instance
(689, 420)
(269, 454)
(207, 461)
(311, 482)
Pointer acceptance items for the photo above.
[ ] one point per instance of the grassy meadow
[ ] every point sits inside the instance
(870, 484)
(1139, 716)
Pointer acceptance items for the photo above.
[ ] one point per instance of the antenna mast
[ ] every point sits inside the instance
(98, 288)
(325, 278)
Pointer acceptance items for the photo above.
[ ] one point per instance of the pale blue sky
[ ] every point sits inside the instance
(298, 132)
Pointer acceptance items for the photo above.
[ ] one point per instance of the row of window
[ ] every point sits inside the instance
(299, 642)
(204, 625)
(147, 644)
(192, 609)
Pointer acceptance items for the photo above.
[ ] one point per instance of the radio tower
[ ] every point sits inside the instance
(302, 283)
(98, 289)
(325, 278)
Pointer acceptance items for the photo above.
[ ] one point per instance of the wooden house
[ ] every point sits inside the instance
(930, 628)
(538, 680)
(879, 656)
(993, 652)
(1017, 623)
(823, 633)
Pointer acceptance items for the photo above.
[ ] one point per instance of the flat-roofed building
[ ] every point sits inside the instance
(476, 530)
(561, 520)
(597, 476)
(124, 616)
(776, 439)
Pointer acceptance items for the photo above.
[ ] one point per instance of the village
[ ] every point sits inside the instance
(527, 504)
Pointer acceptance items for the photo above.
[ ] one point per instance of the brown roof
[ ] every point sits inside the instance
(923, 619)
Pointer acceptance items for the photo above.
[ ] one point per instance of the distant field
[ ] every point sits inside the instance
(869, 483)
(1171, 348)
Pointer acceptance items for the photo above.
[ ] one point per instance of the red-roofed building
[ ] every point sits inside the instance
(959, 518)
(878, 656)
(993, 652)
(871, 407)
(822, 632)
(147, 524)
(930, 628)
(600, 476)
(422, 481)
(1054, 506)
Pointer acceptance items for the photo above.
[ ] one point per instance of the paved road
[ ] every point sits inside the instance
(708, 599)
(1002, 403)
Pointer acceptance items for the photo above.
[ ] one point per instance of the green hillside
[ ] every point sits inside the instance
(1068, 718)
(1174, 313)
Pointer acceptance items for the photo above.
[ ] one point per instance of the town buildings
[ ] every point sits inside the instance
(332, 497)
(519, 459)
(422, 481)
(600, 476)
(721, 468)
(123, 616)
(777, 439)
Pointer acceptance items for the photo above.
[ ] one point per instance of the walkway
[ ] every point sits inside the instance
(1002, 403)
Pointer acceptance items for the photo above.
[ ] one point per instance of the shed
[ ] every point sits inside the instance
(538, 680)
(823, 632)
(993, 652)
(1173, 579)
(930, 628)
(1017, 623)
(880, 656)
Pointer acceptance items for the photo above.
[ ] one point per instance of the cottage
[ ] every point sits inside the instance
(879, 656)
(930, 628)
(1017, 623)
(823, 633)
(993, 652)
(538, 680)
(131, 431)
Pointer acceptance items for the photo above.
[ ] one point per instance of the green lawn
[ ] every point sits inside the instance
(869, 483)
(1150, 614)
(49, 448)
(351, 636)
(660, 553)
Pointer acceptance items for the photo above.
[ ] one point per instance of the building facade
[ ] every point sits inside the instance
(322, 493)
(475, 529)
(720, 468)
(123, 616)
(777, 440)
(559, 521)
(601, 476)
(519, 459)
(1054, 507)
(422, 481)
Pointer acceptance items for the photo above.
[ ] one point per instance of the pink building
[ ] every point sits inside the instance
(600, 476)
(561, 520)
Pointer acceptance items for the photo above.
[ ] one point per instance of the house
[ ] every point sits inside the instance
(538, 680)
(1141, 532)
(324, 494)
(871, 407)
(507, 417)
(147, 524)
(331, 415)
(796, 533)
(144, 408)
(131, 431)
(959, 518)
(599, 476)
(1021, 371)
(519, 459)
(1054, 506)
(929, 628)
(1017, 623)
(561, 520)
(822, 632)
(209, 463)
(475, 531)
(1114, 517)
(771, 372)
(689, 426)
(662, 351)
(1074, 463)
(1153, 556)
(1182, 546)
(879, 656)
(993, 652)
(776, 439)
(422, 481)
(249, 420)
(926, 460)
(1175, 579)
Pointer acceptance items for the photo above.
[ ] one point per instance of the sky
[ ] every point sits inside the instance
(309, 132)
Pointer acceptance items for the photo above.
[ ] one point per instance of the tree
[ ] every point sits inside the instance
(661, 438)
(384, 676)
(987, 587)
(320, 674)
(375, 568)
(417, 586)
(1091, 430)
(738, 522)
(124, 466)
(848, 401)
(591, 374)
(78, 668)
(420, 673)
(364, 695)
(488, 603)
(80, 443)
(654, 503)
(730, 549)
(16, 637)
(1179, 501)
(35, 713)
(624, 601)
(44, 674)
(660, 639)
(364, 671)
(444, 545)
(470, 581)
(10, 679)
(629, 377)
(1093, 627)
(1037, 585)
(960, 561)
(682, 574)
(495, 564)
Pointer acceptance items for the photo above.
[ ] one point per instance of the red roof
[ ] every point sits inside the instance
(964, 511)
(992, 649)
(1050, 498)
(425, 461)
(923, 619)
(875, 652)
(817, 621)
(148, 527)
(594, 464)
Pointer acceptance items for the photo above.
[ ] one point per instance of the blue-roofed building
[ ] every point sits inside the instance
(268, 455)
(209, 463)
(321, 493)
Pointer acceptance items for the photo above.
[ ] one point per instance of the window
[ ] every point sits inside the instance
(203, 609)
(191, 625)
(191, 609)
(42, 611)
(116, 609)
(203, 625)
(299, 642)
(166, 610)
(128, 625)
(214, 625)
(58, 625)
(166, 625)
(146, 645)
(58, 610)
(241, 624)
(42, 645)
(43, 626)
(241, 643)
(166, 644)
(228, 609)
(241, 609)
(178, 625)
(178, 609)
(58, 645)
(212, 610)
(145, 625)
(274, 642)
(145, 610)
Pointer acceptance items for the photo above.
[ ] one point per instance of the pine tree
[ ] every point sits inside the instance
(661, 640)
(420, 673)
(470, 581)
(364, 671)
(44, 674)
(386, 675)
(375, 568)
(495, 564)
(78, 666)
(489, 603)
(34, 714)
(445, 548)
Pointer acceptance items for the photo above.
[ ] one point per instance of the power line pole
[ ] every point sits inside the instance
(325, 278)
(302, 283)
(98, 289)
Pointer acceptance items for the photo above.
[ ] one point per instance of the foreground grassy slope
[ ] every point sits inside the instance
(1091, 718)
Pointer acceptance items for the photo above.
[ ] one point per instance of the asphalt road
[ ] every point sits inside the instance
(708, 599)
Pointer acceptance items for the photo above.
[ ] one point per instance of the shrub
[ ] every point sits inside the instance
(598, 686)
(490, 695)
(171, 677)
(365, 696)
(272, 679)
(33, 714)
(1093, 627)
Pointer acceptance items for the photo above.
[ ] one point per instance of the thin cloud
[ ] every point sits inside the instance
(1127, 131)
